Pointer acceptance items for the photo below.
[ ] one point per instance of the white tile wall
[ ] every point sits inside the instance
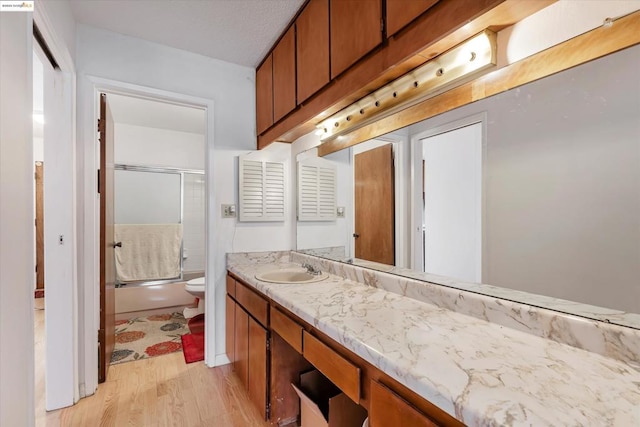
(193, 222)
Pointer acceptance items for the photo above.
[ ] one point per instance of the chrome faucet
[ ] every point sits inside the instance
(311, 269)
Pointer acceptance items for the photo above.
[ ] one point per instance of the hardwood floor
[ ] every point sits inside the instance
(160, 391)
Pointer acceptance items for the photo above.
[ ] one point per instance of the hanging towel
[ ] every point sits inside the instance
(148, 252)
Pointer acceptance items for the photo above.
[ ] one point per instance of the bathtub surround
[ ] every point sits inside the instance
(134, 300)
(479, 371)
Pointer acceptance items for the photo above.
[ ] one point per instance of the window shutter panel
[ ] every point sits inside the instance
(317, 188)
(262, 190)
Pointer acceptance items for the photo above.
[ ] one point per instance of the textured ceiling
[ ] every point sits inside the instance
(237, 31)
(148, 113)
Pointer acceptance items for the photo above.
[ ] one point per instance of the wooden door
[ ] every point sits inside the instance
(258, 366)
(230, 329)
(356, 29)
(375, 205)
(284, 75)
(401, 12)
(389, 409)
(39, 225)
(106, 334)
(264, 95)
(312, 48)
(241, 350)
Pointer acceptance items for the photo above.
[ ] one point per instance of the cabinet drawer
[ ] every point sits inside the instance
(231, 286)
(288, 329)
(252, 302)
(388, 409)
(339, 370)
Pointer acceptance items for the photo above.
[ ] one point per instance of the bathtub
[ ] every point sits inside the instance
(145, 299)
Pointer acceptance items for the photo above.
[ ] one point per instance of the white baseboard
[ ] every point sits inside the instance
(220, 359)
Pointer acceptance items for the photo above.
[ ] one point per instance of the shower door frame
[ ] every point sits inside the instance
(162, 169)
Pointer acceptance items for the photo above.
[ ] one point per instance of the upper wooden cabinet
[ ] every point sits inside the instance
(312, 48)
(356, 29)
(264, 95)
(284, 75)
(401, 12)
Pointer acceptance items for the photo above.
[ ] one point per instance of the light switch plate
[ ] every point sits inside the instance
(228, 211)
(340, 211)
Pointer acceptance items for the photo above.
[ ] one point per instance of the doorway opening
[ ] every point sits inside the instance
(451, 202)
(152, 252)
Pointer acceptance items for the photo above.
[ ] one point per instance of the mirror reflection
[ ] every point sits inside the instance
(536, 189)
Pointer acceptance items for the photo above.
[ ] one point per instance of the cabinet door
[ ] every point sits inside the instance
(264, 95)
(284, 75)
(401, 12)
(241, 353)
(312, 48)
(389, 409)
(230, 330)
(258, 366)
(356, 28)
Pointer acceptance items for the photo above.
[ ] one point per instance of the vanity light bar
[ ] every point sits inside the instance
(468, 58)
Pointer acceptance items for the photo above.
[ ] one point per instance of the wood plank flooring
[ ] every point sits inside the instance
(160, 391)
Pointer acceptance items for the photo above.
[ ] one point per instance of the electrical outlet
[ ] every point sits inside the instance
(340, 211)
(228, 211)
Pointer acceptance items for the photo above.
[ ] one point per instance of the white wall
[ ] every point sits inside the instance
(120, 58)
(16, 227)
(561, 183)
(140, 145)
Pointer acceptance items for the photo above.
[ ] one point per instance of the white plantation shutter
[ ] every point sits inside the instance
(317, 187)
(262, 190)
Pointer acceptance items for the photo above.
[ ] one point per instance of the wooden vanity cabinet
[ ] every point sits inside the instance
(272, 346)
(312, 48)
(230, 327)
(241, 345)
(356, 29)
(284, 75)
(386, 408)
(264, 95)
(247, 341)
(258, 338)
(402, 12)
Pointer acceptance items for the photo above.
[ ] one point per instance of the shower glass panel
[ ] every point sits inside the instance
(147, 197)
(193, 224)
(148, 223)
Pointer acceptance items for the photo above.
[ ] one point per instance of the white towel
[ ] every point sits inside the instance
(148, 252)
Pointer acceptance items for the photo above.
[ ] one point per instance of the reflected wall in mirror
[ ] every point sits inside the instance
(536, 189)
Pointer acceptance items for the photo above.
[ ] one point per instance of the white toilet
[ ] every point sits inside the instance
(196, 288)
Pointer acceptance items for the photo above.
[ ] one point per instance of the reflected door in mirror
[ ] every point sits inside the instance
(374, 200)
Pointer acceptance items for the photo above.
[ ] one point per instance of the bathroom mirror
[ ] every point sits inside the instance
(534, 192)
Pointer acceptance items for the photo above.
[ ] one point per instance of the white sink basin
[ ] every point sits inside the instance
(290, 275)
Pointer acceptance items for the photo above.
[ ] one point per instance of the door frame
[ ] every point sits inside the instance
(416, 186)
(88, 112)
(61, 304)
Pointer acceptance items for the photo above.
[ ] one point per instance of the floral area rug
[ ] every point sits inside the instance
(144, 337)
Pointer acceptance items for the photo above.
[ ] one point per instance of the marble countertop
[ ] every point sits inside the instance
(479, 372)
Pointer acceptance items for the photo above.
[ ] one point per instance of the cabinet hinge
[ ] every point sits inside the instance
(98, 181)
(267, 410)
(98, 125)
(268, 344)
(382, 25)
